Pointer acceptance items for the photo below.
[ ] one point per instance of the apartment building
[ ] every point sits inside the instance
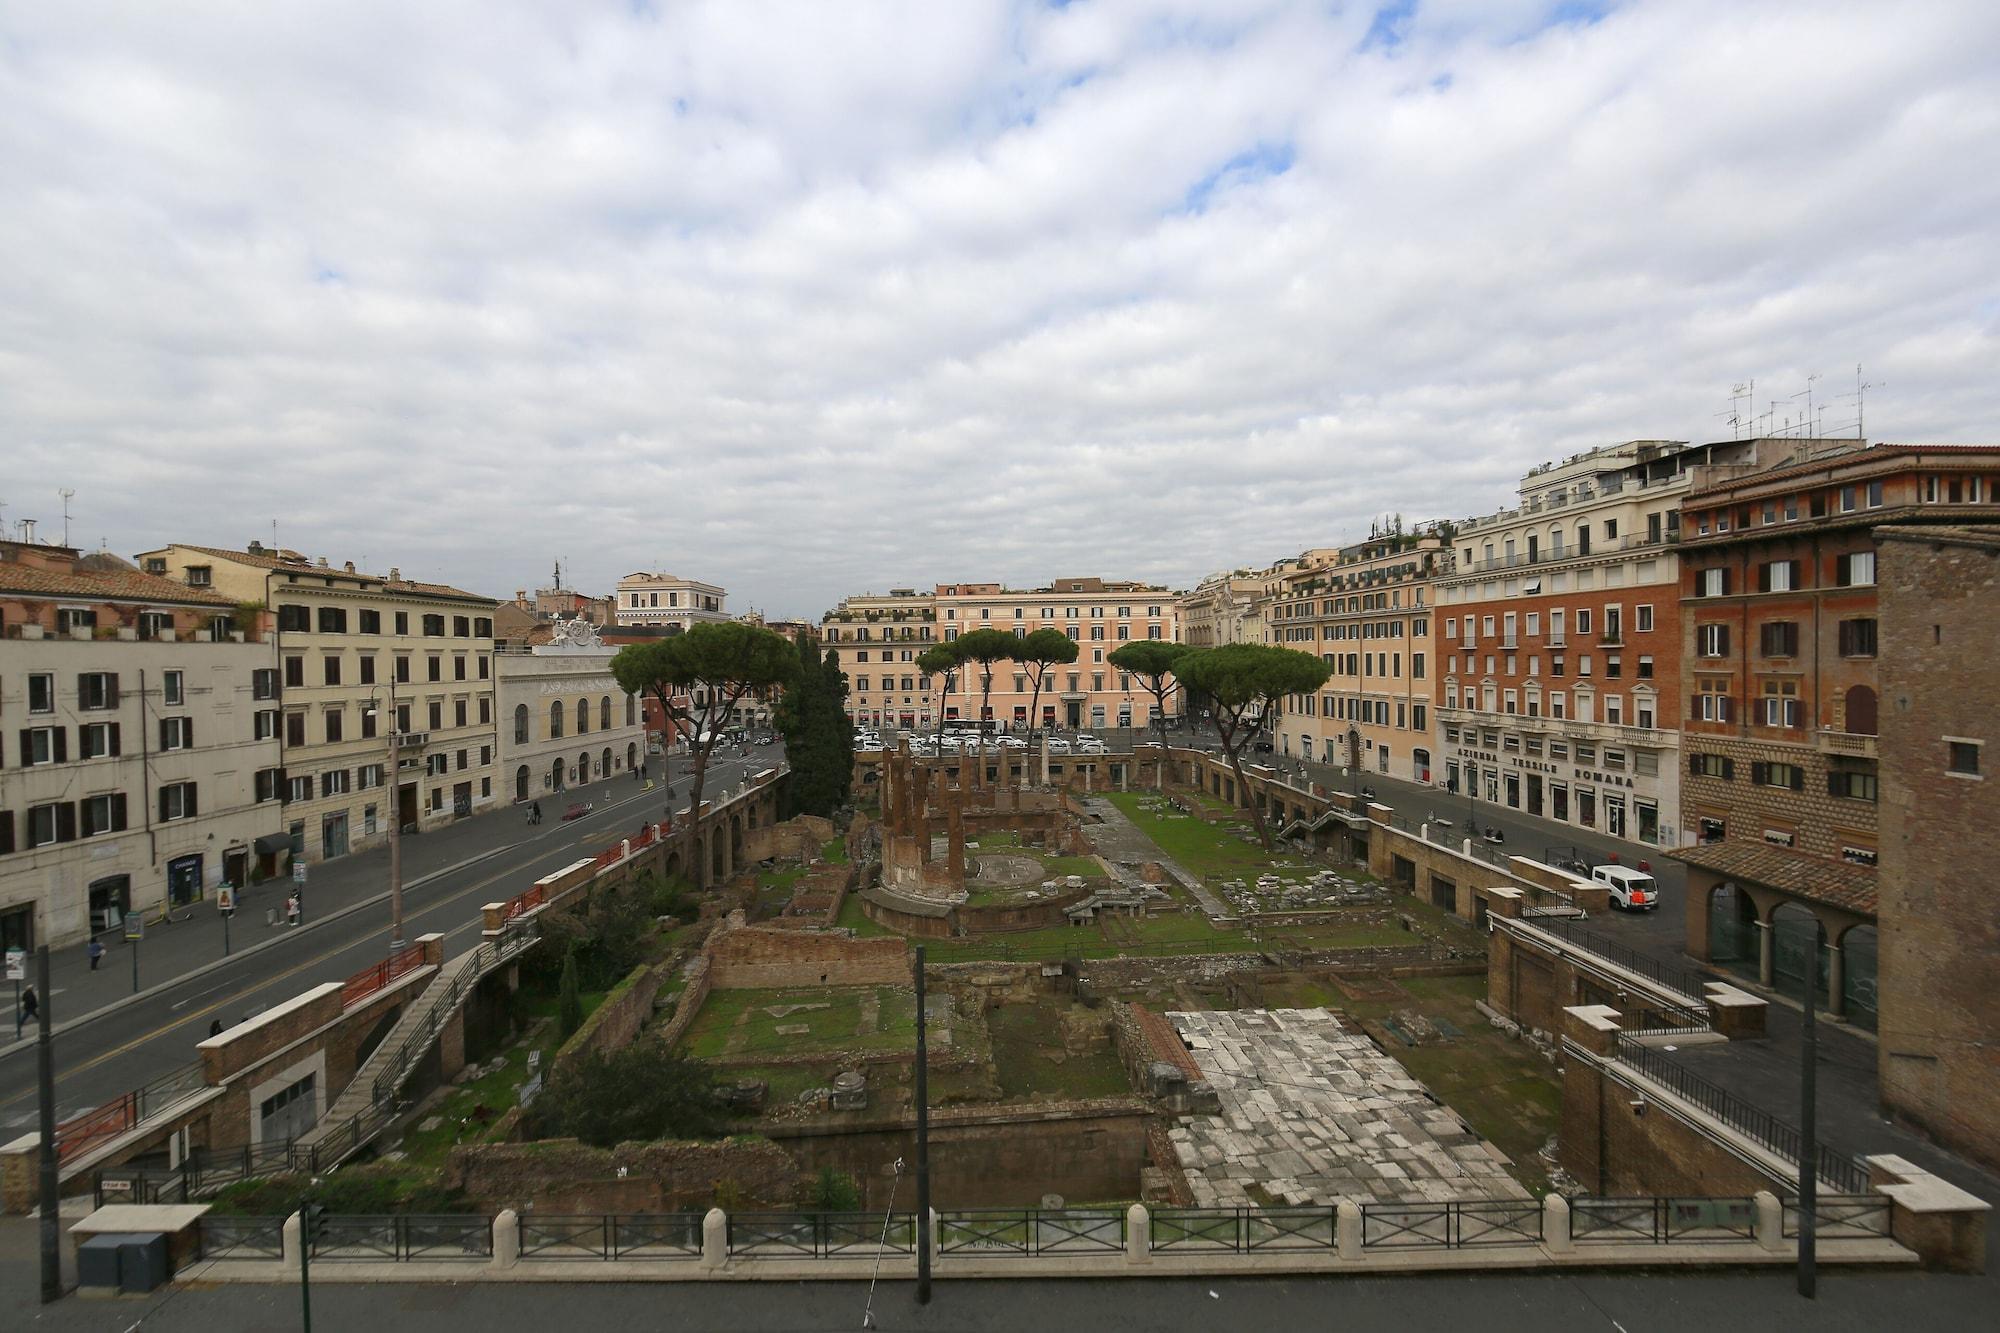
(139, 760)
(1098, 614)
(1367, 613)
(564, 719)
(1782, 699)
(1222, 608)
(877, 639)
(357, 651)
(666, 600)
(1561, 638)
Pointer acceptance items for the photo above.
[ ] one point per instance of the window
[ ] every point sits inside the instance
(1962, 758)
(41, 694)
(437, 714)
(172, 691)
(264, 683)
(1712, 640)
(295, 673)
(434, 627)
(1711, 702)
(1789, 776)
(436, 667)
(1645, 666)
(330, 666)
(1857, 638)
(99, 740)
(176, 733)
(1778, 576)
(1857, 570)
(458, 666)
(1851, 785)
(1711, 583)
(402, 622)
(103, 814)
(265, 724)
(370, 621)
(299, 789)
(267, 783)
(336, 725)
(461, 627)
(333, 620)
(199, 576)
(177, 801)
(295, 729)
(1583, 620)
(458, 712)
(96, 690)
(1779, 638)
(1780, 704)
(51, 823)
(367, 668)
(294, 618)
(402, 670)
(335, 782)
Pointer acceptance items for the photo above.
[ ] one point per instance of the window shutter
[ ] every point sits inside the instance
(163, 804)
(118, 810)
(6, 831)
(62, 745)
(1833, 784)
(187, 731)
(114, 744)
(111, 690)
(1798, 778)
(1764, 578)
(66, 821)
(1757, 771)
(192, 807)
(1694, 764)
(27, 745)
(1797, 570)
(1843, 574)
(1728, 769)
(166, 733)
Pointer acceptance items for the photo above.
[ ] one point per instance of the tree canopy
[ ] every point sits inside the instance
(940, 661)
(819, 739)
(1152, 662)
(985, 646)
(641, 1092)
(1243, 682)
(1038, 652)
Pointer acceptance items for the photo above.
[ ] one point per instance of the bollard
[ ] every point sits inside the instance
(506, 1239)
(289, 1242)
(935, 1230)
(1770, 1220)
(1138, 1235)
(714, 1239)
(1556, 1235)
(1347, 1228)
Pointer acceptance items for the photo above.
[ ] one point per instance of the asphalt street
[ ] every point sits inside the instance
(109, 1040)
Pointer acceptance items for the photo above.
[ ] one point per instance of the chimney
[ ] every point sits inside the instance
(255, 548)
(395, 574)
(321, 562)
(520, 594)
(350, 566)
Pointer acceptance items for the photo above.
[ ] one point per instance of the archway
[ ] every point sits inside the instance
(556, 782)
(1732, 927)
(715, 869)
(583, 768)
(1857, 975)
(604, 763)
(631, 755)
(673, 864)
(736, 839)
(521, 783)
(1795, 932)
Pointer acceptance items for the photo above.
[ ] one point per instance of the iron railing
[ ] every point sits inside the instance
(1661, 1221)
(1841, 1217)
(1243, 1229)
(402, 1237)
(1683, 982)
(1453, 1224)
(611, 1235)
(821, 1235)
(223, 1237)
(1031, 1231)
(1836, 1168)
(371, 979)
(81, 1133)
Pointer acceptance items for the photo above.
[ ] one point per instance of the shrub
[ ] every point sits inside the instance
(570, 1000)
(835, 1192)
(642, 1092)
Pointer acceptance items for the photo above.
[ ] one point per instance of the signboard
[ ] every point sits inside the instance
(17, 964)
(225, 899)
(298, 872)
(135, 925)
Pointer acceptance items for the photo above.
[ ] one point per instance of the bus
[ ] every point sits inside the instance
(965, 726)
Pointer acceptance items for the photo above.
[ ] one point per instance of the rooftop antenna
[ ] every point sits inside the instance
(65, 492)
(1861, 402)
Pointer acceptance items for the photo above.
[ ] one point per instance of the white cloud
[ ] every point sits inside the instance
(816, 299)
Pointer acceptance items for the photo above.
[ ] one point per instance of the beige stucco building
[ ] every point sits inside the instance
(351, 645)
(878, 640)
(667, 599)
(1222, 608)
(1365, 610)
(139, 763)
(564, 721)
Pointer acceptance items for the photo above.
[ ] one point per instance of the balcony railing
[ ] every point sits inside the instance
(1853, 743)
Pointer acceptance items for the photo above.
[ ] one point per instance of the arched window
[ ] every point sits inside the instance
(520, 724)
(604, 714)
(604, 769)
(631, 710)
(582, 716)
(556, 720)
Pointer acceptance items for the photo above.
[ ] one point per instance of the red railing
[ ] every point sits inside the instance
(523, 903)
(79, 1134)
(371, 979)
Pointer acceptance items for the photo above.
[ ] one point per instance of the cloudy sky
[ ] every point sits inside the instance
(822, 298)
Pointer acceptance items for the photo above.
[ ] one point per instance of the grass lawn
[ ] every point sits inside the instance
(835, 851)
(786, 1083)
(1024, 1038)
(1335, 936)
(852, 918)
(1208, 850)
(803, 1020)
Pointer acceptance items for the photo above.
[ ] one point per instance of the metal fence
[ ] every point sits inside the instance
(611, 1236)
(1680, 980)
(1661, 1221)
(1450, 1225)
(821, 1235)
(241, 1237)
(79, 1134)
(1028, 1232)
(1243, 1229)
(1838, 1169)
(1841, 1216)
(403, 1237)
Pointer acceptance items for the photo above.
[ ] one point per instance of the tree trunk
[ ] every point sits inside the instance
(1233, 749)
(1034, 719)
(695, 783)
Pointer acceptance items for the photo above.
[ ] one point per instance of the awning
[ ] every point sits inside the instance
(270, 844)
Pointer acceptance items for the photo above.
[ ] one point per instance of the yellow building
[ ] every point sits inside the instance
(878, 640)
(350, 644)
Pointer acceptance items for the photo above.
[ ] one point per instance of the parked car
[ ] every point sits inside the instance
(1057, 745)
(577, 810)
(1011, 743)
(764, 738)
(1631, 890)
(1090, 745)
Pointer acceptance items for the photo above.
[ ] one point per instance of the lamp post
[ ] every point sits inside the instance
(395, 784)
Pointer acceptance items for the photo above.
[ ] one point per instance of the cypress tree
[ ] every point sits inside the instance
(819, 739)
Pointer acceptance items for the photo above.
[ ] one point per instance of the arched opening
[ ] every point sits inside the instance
(521, 783)
(604, 714)
(1857, 974)
(631, 710)
(673, 864)
(604, 763)
(556, 782)
(1732, 926)
(715, 857)
(1861, 712)
(1795, 935)
(520, 724)
(556, 720)
(736, 838)
(631, 754)
(582, 716)
(583, 768)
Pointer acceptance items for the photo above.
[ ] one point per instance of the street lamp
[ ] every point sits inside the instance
(395, 781)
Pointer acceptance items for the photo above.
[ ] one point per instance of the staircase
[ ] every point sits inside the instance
(369, 1102)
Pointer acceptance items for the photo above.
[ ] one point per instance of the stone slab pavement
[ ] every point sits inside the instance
(1119, 839)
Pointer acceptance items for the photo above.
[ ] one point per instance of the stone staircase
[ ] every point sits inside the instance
(368, 1103)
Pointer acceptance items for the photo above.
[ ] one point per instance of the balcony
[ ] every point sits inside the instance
(1850, 743)
(1562, 641)
(412, 740)
(1613, 638)
(1508, 643)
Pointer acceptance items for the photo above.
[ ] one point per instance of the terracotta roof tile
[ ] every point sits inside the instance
(107, 585)
(297, 564)
(1849, 887)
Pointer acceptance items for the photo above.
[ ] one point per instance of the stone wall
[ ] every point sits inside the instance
(563, 1176)
(689, 1004)
(614, 1023)
(1617, 1145)
(799, 838)
(758, 957)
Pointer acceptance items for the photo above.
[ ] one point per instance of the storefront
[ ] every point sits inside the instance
(184, 881)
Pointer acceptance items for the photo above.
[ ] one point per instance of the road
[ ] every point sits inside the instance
(109, 1041)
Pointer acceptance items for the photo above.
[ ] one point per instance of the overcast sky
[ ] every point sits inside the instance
(833, 297)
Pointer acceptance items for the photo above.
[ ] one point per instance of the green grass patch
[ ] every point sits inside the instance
(835, 850)
(1211, 851)
(852, 918)
(740, 1023)
(1029, 1060)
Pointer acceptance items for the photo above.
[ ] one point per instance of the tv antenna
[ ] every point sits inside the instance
(65, 492)
(1861, 388)
(1739, 394)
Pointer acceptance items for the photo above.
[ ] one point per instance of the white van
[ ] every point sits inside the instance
(1631, 889)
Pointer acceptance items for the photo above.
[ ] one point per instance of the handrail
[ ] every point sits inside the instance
(80, 1133)
(373, 978)
(1680, 980)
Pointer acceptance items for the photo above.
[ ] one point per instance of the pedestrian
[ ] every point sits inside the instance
(31, 1004)
(535, 812)
(292, 910)
(96, 953)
